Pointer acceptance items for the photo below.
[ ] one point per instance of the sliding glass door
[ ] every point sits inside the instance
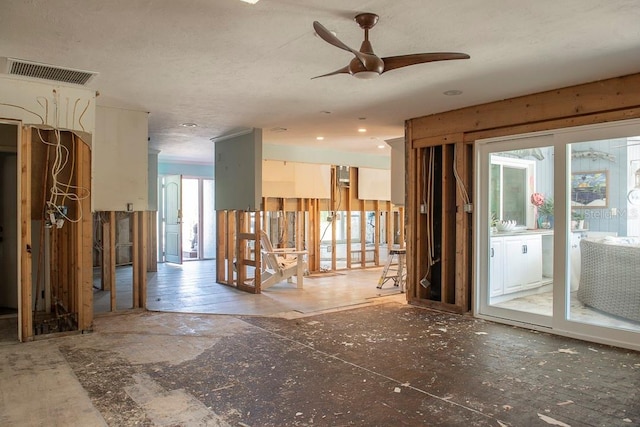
(558, 231)
(517, 238)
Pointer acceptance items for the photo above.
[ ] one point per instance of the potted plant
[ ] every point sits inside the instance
(577, 219)
(545, 213)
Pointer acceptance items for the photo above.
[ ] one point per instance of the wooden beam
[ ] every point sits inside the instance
(588, 119)
(436, 141)
(618, 93)
(26, 316)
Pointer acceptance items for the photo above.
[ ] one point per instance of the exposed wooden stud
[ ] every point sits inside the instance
(85, 239)
(112, 260)
(135, 255)
(231, 247)
(139, 259)
(349, 207)
(221, 246)
(26, 316)
(152, 241)
(462, 163)
(448, 231)
(376, 235)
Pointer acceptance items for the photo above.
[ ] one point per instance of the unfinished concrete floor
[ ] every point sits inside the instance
(386, 364)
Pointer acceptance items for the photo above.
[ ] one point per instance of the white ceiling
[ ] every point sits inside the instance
(228, 65)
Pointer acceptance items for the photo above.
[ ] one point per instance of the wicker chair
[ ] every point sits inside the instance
(610, 278)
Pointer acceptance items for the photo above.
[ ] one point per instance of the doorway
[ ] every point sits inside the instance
(8, 232)
(188, 223)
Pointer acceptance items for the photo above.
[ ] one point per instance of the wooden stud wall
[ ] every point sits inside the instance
(598, 102)
(26, 318)
(231, 237)
(70, 247)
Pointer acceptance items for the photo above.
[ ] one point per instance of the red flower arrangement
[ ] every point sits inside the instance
(537, 199)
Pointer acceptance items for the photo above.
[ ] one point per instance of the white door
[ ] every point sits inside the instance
(173, 219)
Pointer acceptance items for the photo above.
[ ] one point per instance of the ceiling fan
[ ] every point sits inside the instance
(366, 64)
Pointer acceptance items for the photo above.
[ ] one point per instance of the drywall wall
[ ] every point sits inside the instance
(397, 171)
(374, 184)
(152, 179)
(45, 104)
(195, 170)
(295, 180)
(238, 172)
(300, 154)
(120, 158)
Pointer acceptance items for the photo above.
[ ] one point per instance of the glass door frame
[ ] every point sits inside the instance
(482, 239)
(560, 322)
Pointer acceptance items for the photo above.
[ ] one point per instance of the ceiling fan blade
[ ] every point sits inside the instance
(393, 62)
(328, 36)
(343, 70)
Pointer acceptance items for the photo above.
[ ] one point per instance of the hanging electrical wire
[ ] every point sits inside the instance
(59, 192)
(459, 183)
(428, 202)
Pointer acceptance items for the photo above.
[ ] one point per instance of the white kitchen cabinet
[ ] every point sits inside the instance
(515, 263)
(496, 267)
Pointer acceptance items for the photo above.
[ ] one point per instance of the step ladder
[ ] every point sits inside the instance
(395, 272)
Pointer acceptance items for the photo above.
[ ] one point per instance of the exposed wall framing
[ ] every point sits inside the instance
(238, 253)
(296, 222)
(455, 131)
(64, 250)
(138, 225)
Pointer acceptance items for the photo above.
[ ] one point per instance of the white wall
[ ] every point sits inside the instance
(41, 103)
(152, 179)
(292, 179)
(120, 158)
(326, 156)
(374, 184)
(397, 171)
(238, 172)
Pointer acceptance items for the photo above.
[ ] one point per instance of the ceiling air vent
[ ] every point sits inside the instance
(20, 67)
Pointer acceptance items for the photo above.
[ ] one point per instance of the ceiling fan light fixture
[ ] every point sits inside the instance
(366, 75)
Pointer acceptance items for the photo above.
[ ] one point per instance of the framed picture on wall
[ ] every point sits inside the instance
(590, 189)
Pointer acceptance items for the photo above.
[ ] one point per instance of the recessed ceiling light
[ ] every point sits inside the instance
(320, 138)
(326, 112)
(453, 92)
(250, 1)
(362, 130)
(380, 146)
(189, 125)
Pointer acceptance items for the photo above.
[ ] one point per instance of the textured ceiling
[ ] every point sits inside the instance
(228, 65)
